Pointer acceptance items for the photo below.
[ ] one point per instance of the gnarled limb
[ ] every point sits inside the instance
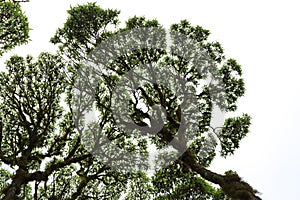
(232, 185)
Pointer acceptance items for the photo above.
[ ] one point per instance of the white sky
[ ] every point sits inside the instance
(263, 36)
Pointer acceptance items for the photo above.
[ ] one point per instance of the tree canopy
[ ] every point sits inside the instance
(14, 27)
(49, 151)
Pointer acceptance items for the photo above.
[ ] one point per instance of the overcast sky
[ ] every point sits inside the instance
(263, 36)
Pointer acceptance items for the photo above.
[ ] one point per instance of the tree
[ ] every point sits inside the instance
(39, 149)
(38, 141)
(14, 28)
(76, 42)
(51, 154)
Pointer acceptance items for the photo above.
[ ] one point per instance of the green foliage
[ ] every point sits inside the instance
(138, 22)
(233, 131)
(38, 138)
(14, 28)
(173, 182)
(197, 33)
(5, 175)
(204, 149)
(234, 85)
(229, 72)
(84, 29)
(26, 192)
(30, 104)
(140, 187)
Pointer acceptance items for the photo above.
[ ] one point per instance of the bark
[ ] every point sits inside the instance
(14, 189)
(23, 177)
(233, 187)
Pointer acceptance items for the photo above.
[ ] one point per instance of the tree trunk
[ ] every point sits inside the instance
(14, 189)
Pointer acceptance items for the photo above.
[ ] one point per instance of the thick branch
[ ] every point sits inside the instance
(233, 186)
(14, 188)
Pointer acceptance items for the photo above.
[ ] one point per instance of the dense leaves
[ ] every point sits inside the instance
(30, 108)
(233, 131)
(14, 28)
(38, 140)
(177, 182)
(84, 29)
(41, 136)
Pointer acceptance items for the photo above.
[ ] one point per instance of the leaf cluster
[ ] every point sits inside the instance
(14, 26)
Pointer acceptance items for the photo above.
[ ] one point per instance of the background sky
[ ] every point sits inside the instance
(263, 36)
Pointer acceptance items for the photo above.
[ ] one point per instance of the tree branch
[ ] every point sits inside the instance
(232, 185)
